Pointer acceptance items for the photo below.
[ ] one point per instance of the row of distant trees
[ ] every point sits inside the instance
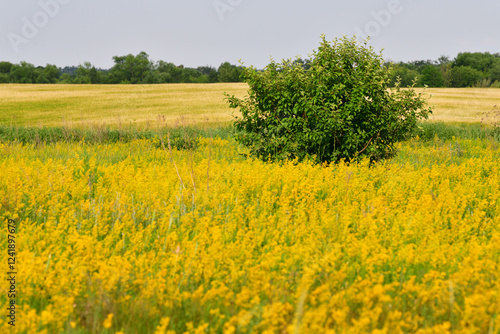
(466, 70)
(129, 69)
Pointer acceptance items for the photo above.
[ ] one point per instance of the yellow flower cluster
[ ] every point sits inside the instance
(134, 238)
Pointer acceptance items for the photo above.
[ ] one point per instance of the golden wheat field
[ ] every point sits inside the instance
(180, 104)
(141, 237)
(114, 105)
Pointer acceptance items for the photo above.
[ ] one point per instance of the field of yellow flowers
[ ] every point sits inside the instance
(139, 238)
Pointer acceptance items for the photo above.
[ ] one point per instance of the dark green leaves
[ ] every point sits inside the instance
(337, 108)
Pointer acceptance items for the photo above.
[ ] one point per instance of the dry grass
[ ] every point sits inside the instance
(462, 104)
(83, 105)
(173, 104)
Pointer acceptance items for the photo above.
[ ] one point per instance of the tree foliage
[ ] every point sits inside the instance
(494, 74)
(465, 76)
(403, 75)
(339, 108)
(432, 77)
(479, 61)
(128, 69)
(229, 73)
(466, 70)
(140, 69)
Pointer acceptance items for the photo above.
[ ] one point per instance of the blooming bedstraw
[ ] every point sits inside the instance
(110, 241)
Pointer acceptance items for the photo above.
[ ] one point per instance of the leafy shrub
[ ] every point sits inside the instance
(340, 108)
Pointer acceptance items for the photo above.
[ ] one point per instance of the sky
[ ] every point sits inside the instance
(209, 32)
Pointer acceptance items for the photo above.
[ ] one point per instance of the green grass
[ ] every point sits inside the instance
(183, 134)
(182, 137)
(448, 131)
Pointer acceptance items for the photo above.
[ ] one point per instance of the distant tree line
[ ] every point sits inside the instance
(129, 69)
(466, 70)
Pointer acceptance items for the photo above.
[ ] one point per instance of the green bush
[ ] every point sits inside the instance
(340, 108)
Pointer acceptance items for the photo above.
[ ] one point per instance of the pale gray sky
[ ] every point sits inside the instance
(209, 32)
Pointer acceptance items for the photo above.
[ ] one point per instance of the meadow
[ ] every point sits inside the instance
(146, 234)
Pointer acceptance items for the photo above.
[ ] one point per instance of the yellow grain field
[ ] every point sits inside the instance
(187, 104)
(84, 105)
(463, 105)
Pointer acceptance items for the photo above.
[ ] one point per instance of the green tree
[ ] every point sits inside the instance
(481, 62)
(87, 74)
(445, 69)
(4, 78)
(169, 73)
(465, 76)
(66, 79)
(404, 75)
(419, 65)
(130, 68)
(305, 63)
(51, 73)
(23, 73)
(40, 77)
(210, 72)
(192, 75)
(340, 108)
(5, 67)
(494, 73)
(432, 77)
(229, 73)
(443, 60)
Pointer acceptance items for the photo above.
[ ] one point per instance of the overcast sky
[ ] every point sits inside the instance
(209, 32)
